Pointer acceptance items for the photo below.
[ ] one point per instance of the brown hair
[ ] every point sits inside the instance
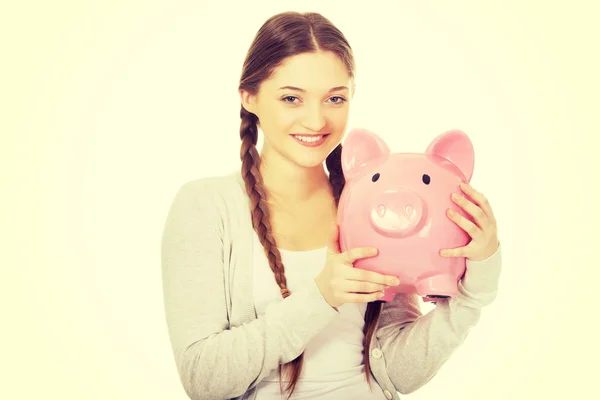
(281, 36)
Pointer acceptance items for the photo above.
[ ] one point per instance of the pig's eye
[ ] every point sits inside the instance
(426, 179)
(375, 177)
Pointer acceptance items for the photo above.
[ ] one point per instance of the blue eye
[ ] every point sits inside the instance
(340, 101)
(286, 98)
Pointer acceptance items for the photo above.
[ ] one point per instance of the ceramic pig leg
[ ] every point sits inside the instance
(388, 295)
(437, 286)
(433, 299)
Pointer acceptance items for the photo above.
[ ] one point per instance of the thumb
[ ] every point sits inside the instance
(334, 238)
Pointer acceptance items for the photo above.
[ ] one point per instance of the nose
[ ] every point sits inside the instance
(397, 212)
(314, 119)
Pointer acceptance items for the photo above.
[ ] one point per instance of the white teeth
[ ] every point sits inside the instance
(309, 139)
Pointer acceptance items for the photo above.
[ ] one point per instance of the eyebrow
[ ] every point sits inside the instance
(304, 91)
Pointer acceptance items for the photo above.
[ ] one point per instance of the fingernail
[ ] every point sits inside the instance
(395, 282)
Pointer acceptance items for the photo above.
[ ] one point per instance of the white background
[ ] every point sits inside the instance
(109, 106)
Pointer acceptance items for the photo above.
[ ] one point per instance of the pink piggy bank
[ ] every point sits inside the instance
(397, 203)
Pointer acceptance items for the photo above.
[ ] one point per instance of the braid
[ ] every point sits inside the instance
(337, 182)
(258, 200)
(261, 220)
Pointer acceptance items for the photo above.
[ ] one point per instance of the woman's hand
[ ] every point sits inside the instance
(483, 232)
(339, 282)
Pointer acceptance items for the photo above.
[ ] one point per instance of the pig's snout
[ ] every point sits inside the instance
(397, 212)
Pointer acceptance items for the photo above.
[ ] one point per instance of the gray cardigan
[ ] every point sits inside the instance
(222, 350)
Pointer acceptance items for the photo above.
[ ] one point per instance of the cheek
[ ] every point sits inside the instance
(287, 117)
(338, 119)
(275, 118)
(280, 116)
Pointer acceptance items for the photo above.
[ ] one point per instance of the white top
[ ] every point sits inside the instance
(333, 366)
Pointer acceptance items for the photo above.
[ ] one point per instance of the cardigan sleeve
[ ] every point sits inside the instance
(214, 361)
(415, 346)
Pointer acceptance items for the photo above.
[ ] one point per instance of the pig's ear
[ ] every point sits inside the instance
(360, 147)
(456, 147)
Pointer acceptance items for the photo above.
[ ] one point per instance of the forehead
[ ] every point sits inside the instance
(310, 71)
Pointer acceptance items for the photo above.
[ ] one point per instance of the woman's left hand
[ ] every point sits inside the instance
(483, 232)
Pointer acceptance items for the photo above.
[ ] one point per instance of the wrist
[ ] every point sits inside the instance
(319, 284)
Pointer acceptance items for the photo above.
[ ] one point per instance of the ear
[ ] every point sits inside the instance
(360, 147)
(248, 101)
(456, 147)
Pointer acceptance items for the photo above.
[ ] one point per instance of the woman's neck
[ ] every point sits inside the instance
(284, 179)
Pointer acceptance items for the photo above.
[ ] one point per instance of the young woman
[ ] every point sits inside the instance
(260, 302)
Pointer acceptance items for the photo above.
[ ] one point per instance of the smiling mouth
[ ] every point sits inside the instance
(310, 138)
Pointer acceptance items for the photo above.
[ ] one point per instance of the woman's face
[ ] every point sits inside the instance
(303, 108)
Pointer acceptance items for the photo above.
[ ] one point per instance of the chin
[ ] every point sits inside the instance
(309, 163)
(316, 159)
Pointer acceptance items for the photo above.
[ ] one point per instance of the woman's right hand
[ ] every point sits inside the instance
(340, 283)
